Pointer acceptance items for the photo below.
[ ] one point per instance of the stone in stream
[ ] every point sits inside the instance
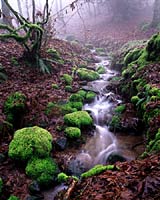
(61, 143)
(115, 157)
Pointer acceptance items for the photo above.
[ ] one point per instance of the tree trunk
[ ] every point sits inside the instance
(7, 19)
(156, 14)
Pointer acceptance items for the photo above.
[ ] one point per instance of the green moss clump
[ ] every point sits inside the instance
(73, 132)
(12, 197)
(76, 98)
(101, 70)
(31, 141)
(90, 96)
(155, 92)
(149, 115)
(55, 86)
(132, 56)
(88, 75)
(67, 79)
(49, 108)
(115, 122)
(1, 185)
(135, 99)
(97, 170)
(62, 177)
(68, 88)
(120, 109)
(43, 170)
(77, 105)
(14, 107)
(82, 93)
(154, 145)
(67, 108)
(78, 119)
(54, 53)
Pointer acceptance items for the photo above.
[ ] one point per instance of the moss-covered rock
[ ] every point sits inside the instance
(43, 170)
(97, 170)
(132, 56)
(55, 86)
(67, 108)
(54, 53)
(101, 70)
(73, 132)
(135, 99)
(76, 98)
(115, 122)
(78, 119)
(15, 107)
(67, 79)
(88, 75)
(82, 93)
(120, 109)
(29, 142)
(62, 177)
(78, 105)
(90, 96)
(68, 88)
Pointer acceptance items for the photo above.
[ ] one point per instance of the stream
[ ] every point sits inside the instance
(99, 148)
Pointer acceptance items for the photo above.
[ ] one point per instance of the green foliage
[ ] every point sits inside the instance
(67, 108)
(97, 170)
(14, 105)
(120, 109)
(55, 86)
(101, 70)
(1, 185)
(88, 75)
(151, 114)
(73, 132)
(12, 197)
(90, 96)
(77, 105)
(76, 98)
(43, 170)
(154, 145)
(78, 119)
(67, 79)
(29, 142)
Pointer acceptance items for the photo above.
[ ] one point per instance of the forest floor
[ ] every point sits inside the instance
(137, 179)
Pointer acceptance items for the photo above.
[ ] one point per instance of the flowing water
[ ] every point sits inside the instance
(103, 143)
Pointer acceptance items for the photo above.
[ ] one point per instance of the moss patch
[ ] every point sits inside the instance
(73, 132)
(67, 79)
(97, 170)
(88, 75)
(29, 142)
(78, 119)
(43, 170)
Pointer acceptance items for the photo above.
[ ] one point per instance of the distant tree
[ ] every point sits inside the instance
(156, 14)
(28, 33)
(6, 15)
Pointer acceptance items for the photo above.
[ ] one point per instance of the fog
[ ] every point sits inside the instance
(88, 18)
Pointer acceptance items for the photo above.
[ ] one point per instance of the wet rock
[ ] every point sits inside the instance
(61, 143)
(34, 187)
(37, 197)
(90, 88)
(115, 157)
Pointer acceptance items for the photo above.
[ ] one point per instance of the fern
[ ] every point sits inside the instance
(43, 67)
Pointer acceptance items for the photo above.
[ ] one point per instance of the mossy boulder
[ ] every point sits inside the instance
(73, 132)
(135, 99)
(90, 96)
(29, 142)
(97, 170)
(78, 119)
(76, 98)
(15, 107)
(43, 170)
(67, 79)
(101, 70)
(68, 88)
(82, 93)
(120, 109)
(54, 53)
(88, 75)
(77, 105)
(62, 177)
(132, 56)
